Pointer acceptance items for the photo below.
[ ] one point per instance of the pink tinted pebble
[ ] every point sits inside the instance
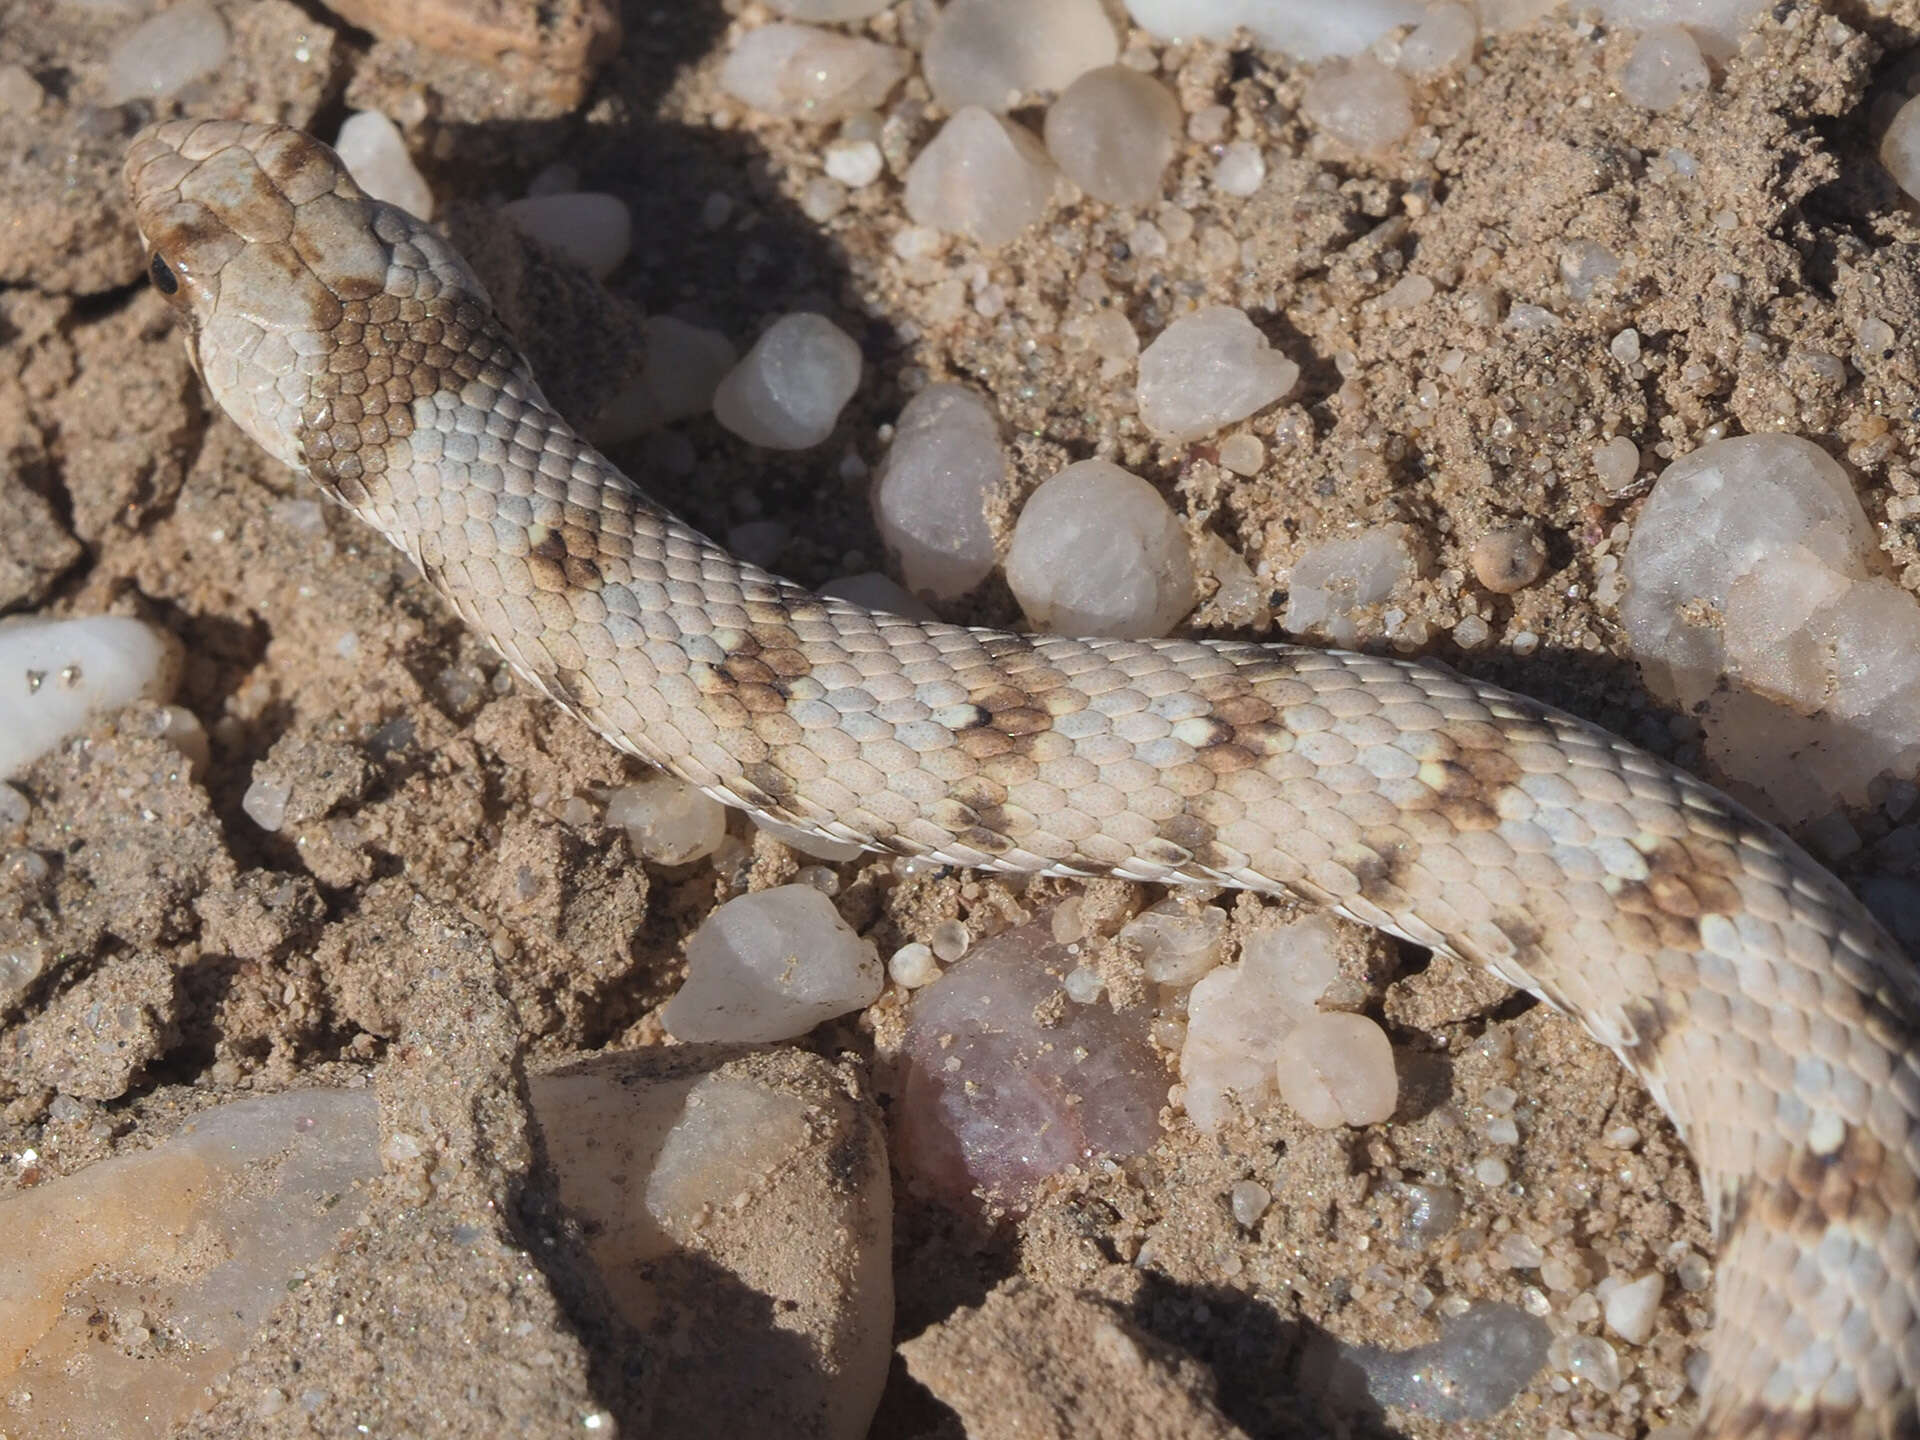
(993, 1100)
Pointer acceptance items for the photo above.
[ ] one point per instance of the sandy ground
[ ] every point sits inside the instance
(228, 961)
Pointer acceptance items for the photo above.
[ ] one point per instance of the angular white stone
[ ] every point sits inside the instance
(1440, 42)
(1097, 551)
(1631, 1308)
(1334, 581)
(592, 229)
(56, 676)
(667, 820)
(1208, 370)
(929, 500)
(375, 154)
(770, 966)
(1337, 1069)
(788, 391)
(1360, 103)
(1665, 67)
(162, 55)
(990, 52)
(982, 177)
(1113, 133)
(1304, 29)
(803, 73)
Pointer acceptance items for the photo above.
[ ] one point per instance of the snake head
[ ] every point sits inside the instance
(310, 304)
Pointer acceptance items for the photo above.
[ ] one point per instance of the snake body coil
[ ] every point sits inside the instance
(1766, 1011)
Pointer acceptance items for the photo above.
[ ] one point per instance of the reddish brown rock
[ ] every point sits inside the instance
(551, 50)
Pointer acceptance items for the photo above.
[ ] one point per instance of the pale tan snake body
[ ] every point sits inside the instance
(1767, 1012)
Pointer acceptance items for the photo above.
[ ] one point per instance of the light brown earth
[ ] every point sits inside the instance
(199, 958)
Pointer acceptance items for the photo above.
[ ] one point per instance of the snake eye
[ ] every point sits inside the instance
(164, 280)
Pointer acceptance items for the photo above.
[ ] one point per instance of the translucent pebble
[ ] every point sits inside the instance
(1337, 1069)
(1520, 1252)
(854, 163)
(1501, 1130)
(1433, 1211)
(1241, 169)
(375, 154)
(1442, 41)
(1485, 1356)
(1584, 264)
(1361, 103)
(1508, 559)
(1693, 1272)
(1113, 133)
(874, 591)
(1617, 463)
(1490, 1170)
(989, 52)
(667, 820)
(1900, 148)
(820, 847)
(14, 809)
(1083, 985)
(1716, 24)
(1593, 1360)
(1409, 292)
(994, 1098)
(1304, 29)
(828, 12)
(591, 229)
(1109, 336)
(684, 364)
(1335, 580)
(1470, 632)
(1097, 552)
(950, 940)
(1665, 67)
(1177, 944)
(788, 390)
(803, 73)
(912, 966)
(1300, 960)
(1243, 454)
(1206, 371)
(1249, 1201)
(982, 177)
(1729, 508)
(770, 966)
(162, 55)
(931, 493)
(57, 676)
(1631, 1308)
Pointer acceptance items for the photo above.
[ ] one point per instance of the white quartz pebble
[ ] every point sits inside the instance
(990, 52)
(854, 163)
(683, 366)
(1442, 41)
(375, 154)
(592, 229)
(1337, 1069)
(1177, 944)
(804, 73)
(165, 53)
(1360, 103)
(1097, 551)
(982, 177)
(1337, 579)
(1208, 370)
(1299, 960)
(1113, 133)
(1304, 29)
(929, 500)
(1241, 169)
(1631, 1308)
(770, 966)
(1900, 148)
(788, 391)
(1665, 67)
(667, 820)
(56, 676)
(1717, 25)
(828, 11)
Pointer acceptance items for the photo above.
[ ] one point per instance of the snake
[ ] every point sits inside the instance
(1761, 1005)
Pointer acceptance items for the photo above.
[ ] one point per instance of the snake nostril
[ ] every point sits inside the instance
(164, 280)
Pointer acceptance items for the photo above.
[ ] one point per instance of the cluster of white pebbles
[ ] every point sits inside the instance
(1749, 589)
